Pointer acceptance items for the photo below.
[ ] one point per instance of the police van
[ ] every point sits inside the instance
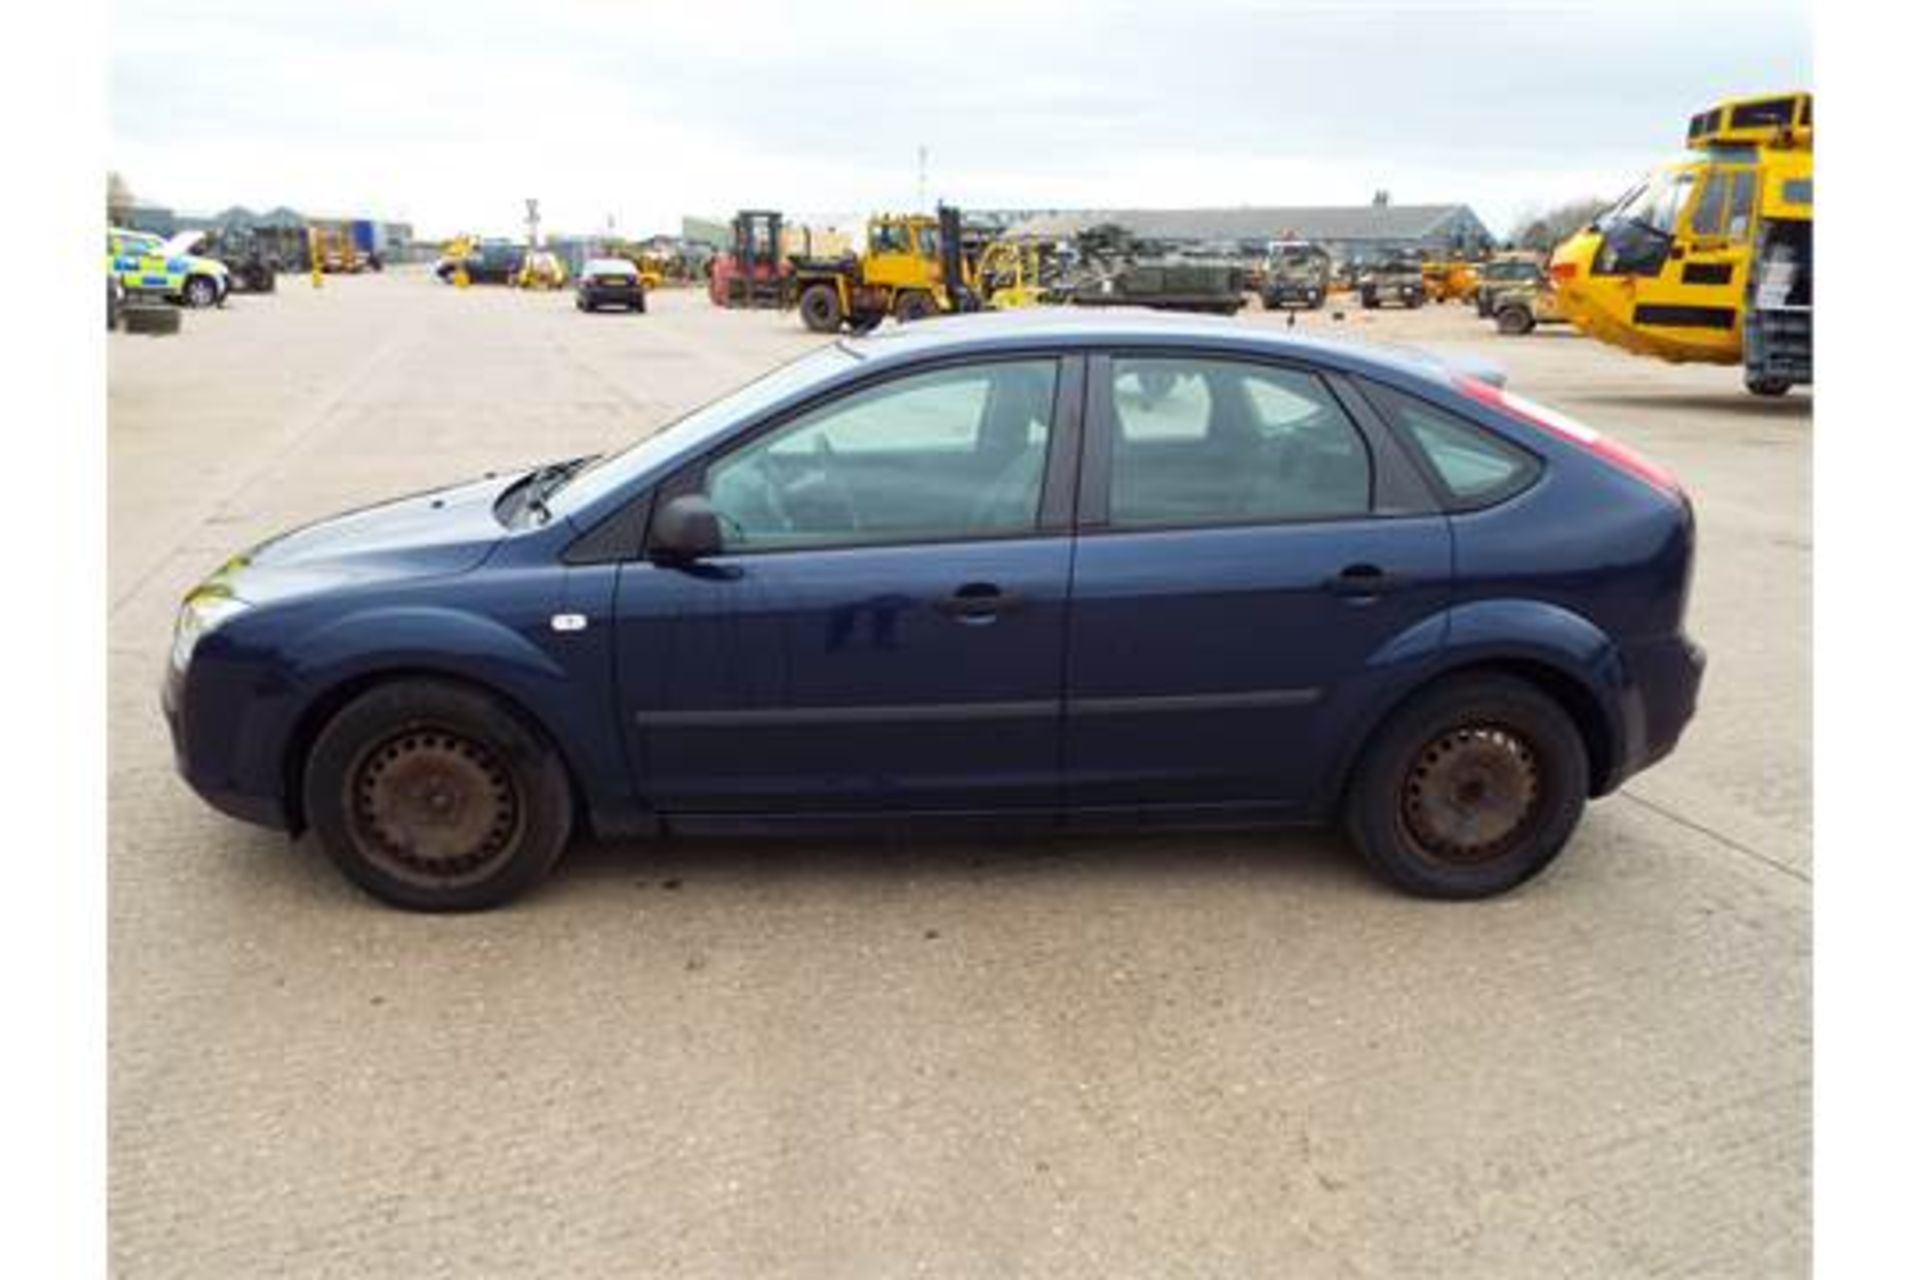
(146, 264)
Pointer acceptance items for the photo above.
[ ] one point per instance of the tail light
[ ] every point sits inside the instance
(1564, 270)
(1605, 448)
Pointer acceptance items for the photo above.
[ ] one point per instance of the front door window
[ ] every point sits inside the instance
(952, 454)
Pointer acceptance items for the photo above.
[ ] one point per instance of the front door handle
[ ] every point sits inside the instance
(1363, 580)
(979, 602)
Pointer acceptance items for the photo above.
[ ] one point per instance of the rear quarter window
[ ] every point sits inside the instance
(1473, 467)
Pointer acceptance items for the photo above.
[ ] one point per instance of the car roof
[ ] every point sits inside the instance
(983, 332)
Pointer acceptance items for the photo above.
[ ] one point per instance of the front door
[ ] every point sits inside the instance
(1695, 296)
(884, 629)
(1239, 584)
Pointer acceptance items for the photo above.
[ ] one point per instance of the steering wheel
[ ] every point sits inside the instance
(830, 478)
(750, 491)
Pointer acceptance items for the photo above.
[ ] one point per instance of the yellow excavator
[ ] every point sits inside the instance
(1709, 259)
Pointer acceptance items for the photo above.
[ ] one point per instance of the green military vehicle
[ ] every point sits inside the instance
(1395, 277)
(1113, 269)
(1521, 308)
(1505, 271)
(1297, 274)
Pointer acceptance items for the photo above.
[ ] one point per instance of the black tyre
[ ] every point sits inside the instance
(1769, 387)
(201, 291)
(640, 304)
(1469, 789)
(820, 308)
(914, 305)
(1514, 320)
(436, 797)
(1268, 302)
(156, 319)
(1369, 301)
(582, 304)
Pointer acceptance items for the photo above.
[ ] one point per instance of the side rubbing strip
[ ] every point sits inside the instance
(1191, 702)
(898, 714)
(953, 712)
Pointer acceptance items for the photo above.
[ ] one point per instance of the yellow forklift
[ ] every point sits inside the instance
(1012, 273)
(1710, 258)
(915, 265)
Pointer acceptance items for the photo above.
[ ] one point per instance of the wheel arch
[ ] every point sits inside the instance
(324, 706)
(1574, 693)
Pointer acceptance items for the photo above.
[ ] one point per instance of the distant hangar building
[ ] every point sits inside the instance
(1352, 232)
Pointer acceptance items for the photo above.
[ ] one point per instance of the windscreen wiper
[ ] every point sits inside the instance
(541, 482)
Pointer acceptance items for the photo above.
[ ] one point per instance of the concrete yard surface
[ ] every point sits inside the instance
(1159, 1055)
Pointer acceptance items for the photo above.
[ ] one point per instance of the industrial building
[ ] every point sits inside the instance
(1350, 232)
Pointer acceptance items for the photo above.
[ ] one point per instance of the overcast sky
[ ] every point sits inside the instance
(449, 115)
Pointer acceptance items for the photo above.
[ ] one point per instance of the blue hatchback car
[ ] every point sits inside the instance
(1072, 570)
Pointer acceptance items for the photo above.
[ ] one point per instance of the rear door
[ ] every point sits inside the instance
(885, 629)
(1254, 557)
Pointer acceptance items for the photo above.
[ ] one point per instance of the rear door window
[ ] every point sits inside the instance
(1475, 467)
(1199, 441)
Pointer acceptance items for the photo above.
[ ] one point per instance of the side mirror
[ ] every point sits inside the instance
(684, 530)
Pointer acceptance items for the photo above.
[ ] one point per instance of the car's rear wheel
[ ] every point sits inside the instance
(1470, 789)
(201, 291)
(436, 797)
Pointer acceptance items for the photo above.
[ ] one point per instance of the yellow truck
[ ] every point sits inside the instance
(1710, 258)
(914, 266)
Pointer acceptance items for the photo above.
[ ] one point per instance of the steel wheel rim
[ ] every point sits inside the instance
(1471, 794)
(434, 807)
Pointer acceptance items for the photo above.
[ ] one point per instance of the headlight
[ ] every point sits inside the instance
(201, 613)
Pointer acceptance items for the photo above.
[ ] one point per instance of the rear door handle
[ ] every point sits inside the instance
(1364, 580)
(979, 602)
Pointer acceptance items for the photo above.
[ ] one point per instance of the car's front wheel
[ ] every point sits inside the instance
(201, 291)
(436, 797)
(1471, 788)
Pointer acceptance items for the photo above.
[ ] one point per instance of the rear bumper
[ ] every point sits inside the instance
(1664, 678)
(604, 295)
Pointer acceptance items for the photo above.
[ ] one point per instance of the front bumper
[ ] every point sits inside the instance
(207, 770)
